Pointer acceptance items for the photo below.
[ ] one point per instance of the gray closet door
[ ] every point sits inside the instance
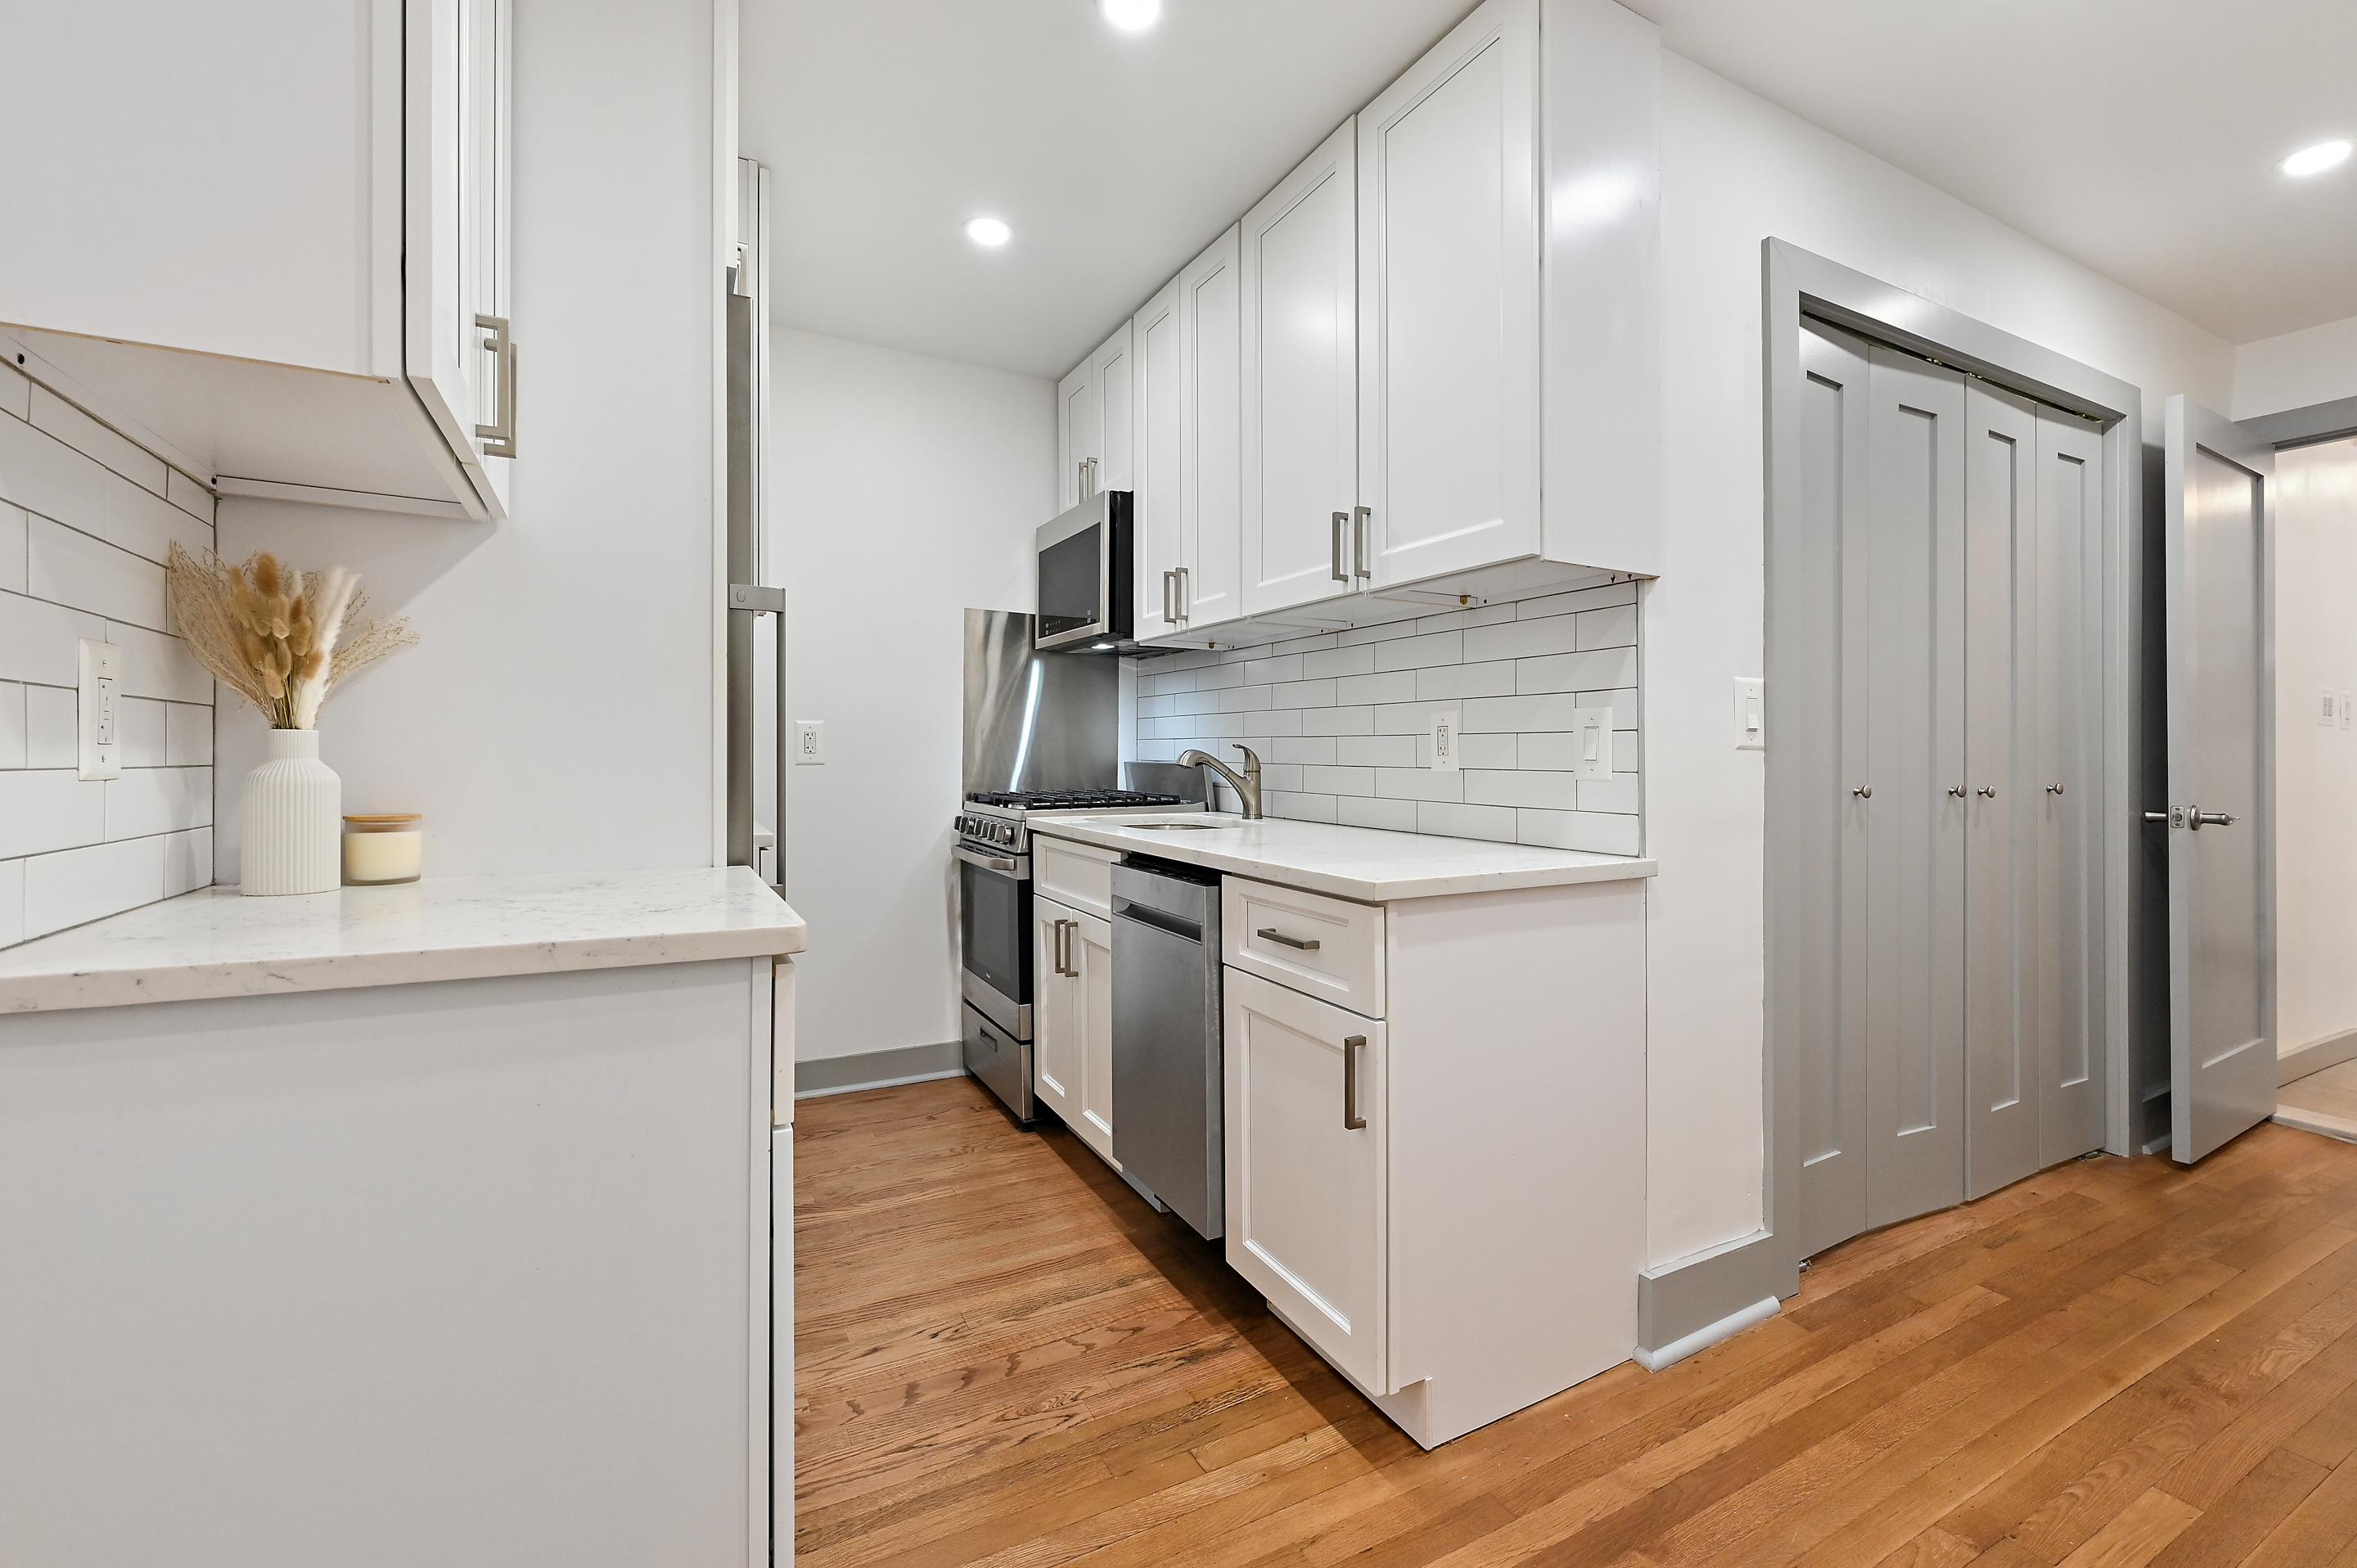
(1915, 905)
(2062, 731)
(2219, 818)
(1818, 854)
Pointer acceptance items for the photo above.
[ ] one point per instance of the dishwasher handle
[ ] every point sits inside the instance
(1160, 919)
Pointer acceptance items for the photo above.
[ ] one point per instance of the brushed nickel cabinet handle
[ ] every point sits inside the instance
(499, 438)
(1351, 1120)
(1341, 525)
(1183, 614)
(1274, 935)
(1360, 516)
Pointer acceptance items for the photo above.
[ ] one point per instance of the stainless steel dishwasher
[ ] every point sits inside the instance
(1167, 1074)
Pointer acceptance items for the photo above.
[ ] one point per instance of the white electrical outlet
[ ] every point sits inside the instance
(1445, 723)
(1591, 742)
(1750, 714)
(2348, 708)
(2328, 712)
(99, 754)
(810, 742)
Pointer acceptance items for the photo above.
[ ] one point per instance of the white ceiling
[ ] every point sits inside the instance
(1115, 157)
(2137, 136)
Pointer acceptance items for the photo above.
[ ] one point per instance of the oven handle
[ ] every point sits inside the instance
(1017, 866)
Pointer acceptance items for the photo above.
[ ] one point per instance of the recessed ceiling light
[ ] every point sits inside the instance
(987, 232)
(1131, 16)
(2315, 160)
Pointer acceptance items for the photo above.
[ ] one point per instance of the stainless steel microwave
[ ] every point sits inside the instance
(1086, 592)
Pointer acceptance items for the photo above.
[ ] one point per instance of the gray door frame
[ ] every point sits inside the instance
(1797, 283)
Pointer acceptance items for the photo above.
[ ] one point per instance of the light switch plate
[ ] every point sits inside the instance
(2348, 708)
(1750, 714)
(810, 742)
(2328, 712)
(1446, 724)
(99, 712)
(1591, 742)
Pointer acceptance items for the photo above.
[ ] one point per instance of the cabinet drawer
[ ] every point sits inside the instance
(1327, 948)
(1076, 874)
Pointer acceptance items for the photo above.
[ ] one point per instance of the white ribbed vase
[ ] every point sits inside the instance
(293, 811)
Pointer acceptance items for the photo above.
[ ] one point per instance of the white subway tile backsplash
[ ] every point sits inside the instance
(1342, 721)
(42, 474)
(37, 639)
(66, 566)
(95, 441)
(142, 742)
(12, 549)
(47, 808)
(188, 496)
(12, 725)
(82, 885)
(188, 735)
(52, 728)
(155, 665)
(147, 801)
(12, 900)
(187, 861)
(146, 524)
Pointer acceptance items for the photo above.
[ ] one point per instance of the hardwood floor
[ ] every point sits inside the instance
(1005, 1357)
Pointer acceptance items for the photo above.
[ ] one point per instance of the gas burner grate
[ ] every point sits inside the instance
(1068, 800)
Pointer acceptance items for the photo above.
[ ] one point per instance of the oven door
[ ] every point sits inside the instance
(995, 936)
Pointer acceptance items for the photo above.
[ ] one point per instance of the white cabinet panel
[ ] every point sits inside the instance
(1299, 271)
(1157, 503)
(1211, 402)
(1077, 875)
(1305, 1189)
(1111, 374)
(1078, 447)
(1071, 1021)
(1327, 948)
(1449, 281)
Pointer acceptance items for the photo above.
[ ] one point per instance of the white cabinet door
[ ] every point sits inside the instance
(1112, 371)
(1448, 304)
(1299, 271)
(1157, 503)
(1071, 1021)
(1307, 1220)
(1211, 439)
(1089, 950)
(1078, 448)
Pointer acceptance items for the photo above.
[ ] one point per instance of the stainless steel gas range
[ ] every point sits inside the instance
(994, 855)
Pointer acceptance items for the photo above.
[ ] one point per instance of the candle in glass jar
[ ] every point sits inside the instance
(382, 849)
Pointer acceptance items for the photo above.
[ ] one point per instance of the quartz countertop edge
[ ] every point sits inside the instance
(216, 942)
(1371, 865)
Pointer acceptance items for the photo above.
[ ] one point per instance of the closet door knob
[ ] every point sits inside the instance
(2054, 788)
(1957, 791)
(1864, 791)
(1989, 790)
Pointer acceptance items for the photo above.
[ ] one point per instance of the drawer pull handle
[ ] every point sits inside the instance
(1274, 935)
(1352, 1046)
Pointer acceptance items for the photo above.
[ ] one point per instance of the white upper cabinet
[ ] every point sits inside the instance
(1300, 275)
(1211, 420)
(1112, 372)
(273, 247)
(1160, 547)
(1080, 451)
(1449, 306)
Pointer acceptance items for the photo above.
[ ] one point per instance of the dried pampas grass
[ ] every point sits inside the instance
(280, 640)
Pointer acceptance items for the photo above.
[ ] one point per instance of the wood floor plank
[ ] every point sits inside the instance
(1007, 1358)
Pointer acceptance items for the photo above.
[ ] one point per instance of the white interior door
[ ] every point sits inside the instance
(2220, 553)
(1299, 269)
(1449, 288)
(1210, 445)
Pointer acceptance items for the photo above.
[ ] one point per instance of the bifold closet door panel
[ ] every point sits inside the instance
(1916, 819)
(2008, 640)
(2064, 733)
(1819, 875)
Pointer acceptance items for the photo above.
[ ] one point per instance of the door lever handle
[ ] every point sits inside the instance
(2197, 819)
(2157, 817)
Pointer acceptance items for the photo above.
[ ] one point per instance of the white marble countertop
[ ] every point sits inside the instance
(217, 942)
(1367, 863)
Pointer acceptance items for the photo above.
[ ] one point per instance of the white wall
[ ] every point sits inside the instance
(904, 491)
(85, 520)
(1735, 170)
(558, 712)
(2316, 764)
(2297, 370)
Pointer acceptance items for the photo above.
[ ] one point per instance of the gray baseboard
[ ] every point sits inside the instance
(1677, 1300)
(2316, 1055)
(878, 1069)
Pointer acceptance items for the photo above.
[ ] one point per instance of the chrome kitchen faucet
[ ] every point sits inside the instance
(1247, 786)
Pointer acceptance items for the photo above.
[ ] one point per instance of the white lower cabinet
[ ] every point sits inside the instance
(1306, 1127)
(1071, 1020)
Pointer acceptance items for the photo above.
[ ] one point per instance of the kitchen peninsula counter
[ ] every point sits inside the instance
(215, 942)
(1370, 864)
